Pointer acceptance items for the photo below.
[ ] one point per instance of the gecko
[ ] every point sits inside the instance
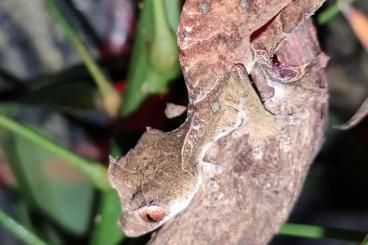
(159, 177)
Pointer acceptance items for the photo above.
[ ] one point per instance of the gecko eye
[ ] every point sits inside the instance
(152, 214)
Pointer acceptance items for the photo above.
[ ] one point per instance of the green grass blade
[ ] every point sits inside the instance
(111, 97)
(318, 232)
(18, 230)
(107, 231)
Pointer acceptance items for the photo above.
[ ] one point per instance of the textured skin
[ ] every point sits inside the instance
(240, 158)
(215, 35)
(162, 173)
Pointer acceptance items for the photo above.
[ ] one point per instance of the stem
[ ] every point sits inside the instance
(318, 232)
(172, 13)
(111, 97)
(106, 231)
(159, 16)
(164, 52)
(94, 171)
(18, 230)
(329, 13)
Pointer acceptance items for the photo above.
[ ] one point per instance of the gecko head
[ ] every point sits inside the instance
(143, 208)
(151, 186)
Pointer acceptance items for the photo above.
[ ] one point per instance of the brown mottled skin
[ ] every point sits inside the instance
(168, 171)
(162, 171)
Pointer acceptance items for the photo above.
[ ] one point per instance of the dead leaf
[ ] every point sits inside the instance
(357, 20)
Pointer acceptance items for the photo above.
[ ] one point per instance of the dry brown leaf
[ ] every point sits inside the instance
(357, 20)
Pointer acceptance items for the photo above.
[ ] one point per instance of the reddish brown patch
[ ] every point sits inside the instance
(60, 170)
(152, 214)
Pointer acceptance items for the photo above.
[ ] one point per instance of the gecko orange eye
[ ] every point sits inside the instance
(152, 214)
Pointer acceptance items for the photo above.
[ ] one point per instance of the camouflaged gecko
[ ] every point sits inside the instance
(159, 177)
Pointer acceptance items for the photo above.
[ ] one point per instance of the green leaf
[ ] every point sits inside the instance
(144, 78)
(50, 182)
(94, 171)
(107, 231)
(163, 53)
(172, 9)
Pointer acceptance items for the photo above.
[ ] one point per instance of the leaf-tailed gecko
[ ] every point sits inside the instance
(159, 177)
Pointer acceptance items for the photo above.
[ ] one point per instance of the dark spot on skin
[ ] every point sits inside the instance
(151, 218)
(183, 34)
(204, 6)
(275, 61)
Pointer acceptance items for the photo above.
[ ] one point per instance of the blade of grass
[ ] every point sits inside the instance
(18, 230)
(328, 14)
(94, 171)
(107, 231)
(365, 240)
(111, 98)
(318, 232)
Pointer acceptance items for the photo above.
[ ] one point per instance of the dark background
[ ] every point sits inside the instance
(42, 76)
